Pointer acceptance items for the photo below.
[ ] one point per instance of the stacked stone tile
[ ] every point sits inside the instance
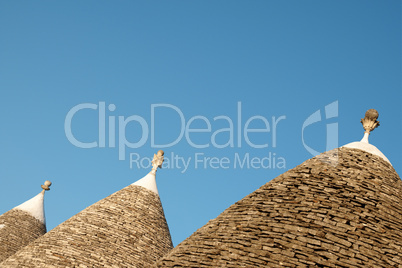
(125, 229)
(340, 209)
(17, 229)
(22, 225)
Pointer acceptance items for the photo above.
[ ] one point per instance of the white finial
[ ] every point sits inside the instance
(369, 123)
(46, 185)
(149, 181)
(157, 161)
(34, 206)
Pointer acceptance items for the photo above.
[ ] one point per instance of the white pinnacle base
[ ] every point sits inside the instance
(362, 145)
(34, 206)
(148, 182)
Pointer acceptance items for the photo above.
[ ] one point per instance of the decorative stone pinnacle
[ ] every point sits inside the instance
(46, 185)
(157, 161)
(369, 121)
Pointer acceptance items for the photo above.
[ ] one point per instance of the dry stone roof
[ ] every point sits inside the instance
(340, 209)
(17, 229)
(22, 224)
(125, 229)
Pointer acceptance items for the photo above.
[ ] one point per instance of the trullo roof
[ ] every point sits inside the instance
(125, 229)
(22, 224)
(342, 208)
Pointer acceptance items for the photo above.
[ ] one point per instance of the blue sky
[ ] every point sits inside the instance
(201, 62)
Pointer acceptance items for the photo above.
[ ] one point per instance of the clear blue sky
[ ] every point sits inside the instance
(191, 61)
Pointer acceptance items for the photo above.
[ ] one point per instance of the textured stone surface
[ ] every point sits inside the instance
(322, 213)
(126, 229)
(17, 229)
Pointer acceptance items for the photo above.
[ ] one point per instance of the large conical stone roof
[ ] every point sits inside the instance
(125, 229)
(340, 209)
(22, 224)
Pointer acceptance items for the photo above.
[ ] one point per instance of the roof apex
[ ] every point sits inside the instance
(148, 182)
(369, 123)
(34, 206)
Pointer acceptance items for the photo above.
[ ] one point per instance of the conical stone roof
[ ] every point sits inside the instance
(22, 224)
(340, 209)
(125, 229)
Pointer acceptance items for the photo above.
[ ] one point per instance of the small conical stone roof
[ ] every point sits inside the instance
(125, 229)
(22, 224)
(342, 208)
